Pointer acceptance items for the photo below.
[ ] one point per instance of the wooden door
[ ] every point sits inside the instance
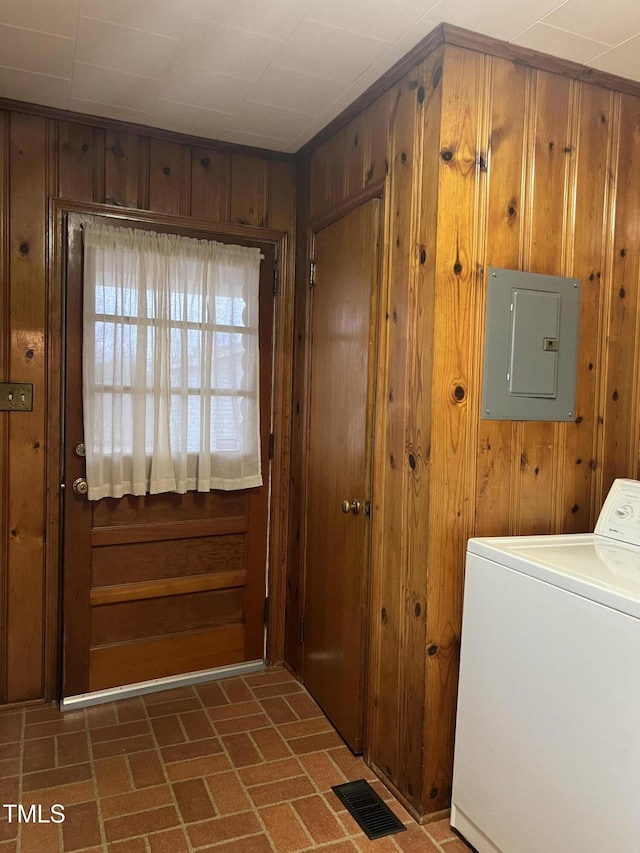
(164, 584)
(338, 458)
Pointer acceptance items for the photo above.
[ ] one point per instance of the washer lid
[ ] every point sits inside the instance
(589, 565)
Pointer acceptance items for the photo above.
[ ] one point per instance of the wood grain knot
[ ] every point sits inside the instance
(117, 151)
(24, 248)
(579, 419)
(575, 508)
(603, 119)
(29, 353)
(423, 256)
(433, 793)
(14, 533)
(410, 789)
(432, 650)
(437, 77)
(457, 268)
(446, 155)
(85, 147)
(615, 396)
(567, 149)
(459, 393)
(511, 210)
(383, 616)
(593, 464)
(205, 162)
(403, 157)
(623, 253)
(417, 609)
(578, 461)
(166, 170)
(622, 293)
(412, 462)
(371, 172)
(590, 366)
(421, 95)
(356, 140)
(591, 277)
(552, 145)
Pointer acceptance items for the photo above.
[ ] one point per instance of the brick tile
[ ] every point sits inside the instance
(253, 844)
(42, 713)
(112, 775)
(270, 772)
(192, 749)
(81, 827)
(39, 754)
(279, 710)
(283, 689)
(131, 709)
(100, 716)
(9, 847)
(227, 792)
(140, 824)
(73, 748)
(56, 777)
(9, 767)
(340, 847)
(223, 829)
(314, 726)
(197, 725)
(8, 831)
(131, 845)
(440, 830)
(194, 767)
(303, 705)
(285, 829)
(211, 694)
(135, 801)
(177, 706)
(415, 840)
(119, 731)
(319, 820)
(11, 727)
(168, 730)
(66, 795)
(380, 845)
(236, 690)
(170, 841)
(71, 721)
(322, 770)
(146, 769)
(125, 746)
(456, 846)
(40, 837)
(352, 766)
(242, 724)
(241, 750)
(277, 792)
(9, 750)
(193, 800)
(230, 712)
(9, 788)
(174, 694)
(270, 676)
(270, 744)
(313, 743)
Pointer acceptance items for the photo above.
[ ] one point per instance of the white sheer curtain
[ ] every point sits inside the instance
(170, 363)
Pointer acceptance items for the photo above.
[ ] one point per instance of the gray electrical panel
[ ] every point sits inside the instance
(531, 346)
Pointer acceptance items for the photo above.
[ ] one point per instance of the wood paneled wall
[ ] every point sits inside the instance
(41, 158)
(490, 161)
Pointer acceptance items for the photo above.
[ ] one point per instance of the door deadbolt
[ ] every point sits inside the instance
(80, 449)
(80, 486)
(353, 507)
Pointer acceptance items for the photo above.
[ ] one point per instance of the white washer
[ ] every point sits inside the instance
(547, 754)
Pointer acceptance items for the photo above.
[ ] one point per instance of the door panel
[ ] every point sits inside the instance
(159, 585)
(336, 566)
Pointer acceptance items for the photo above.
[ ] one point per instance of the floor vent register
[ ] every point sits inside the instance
(371, 814)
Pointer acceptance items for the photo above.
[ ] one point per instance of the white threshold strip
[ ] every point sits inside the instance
(111, 694)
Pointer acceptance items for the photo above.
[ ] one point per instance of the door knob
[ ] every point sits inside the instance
(353, 507)
(80, 486)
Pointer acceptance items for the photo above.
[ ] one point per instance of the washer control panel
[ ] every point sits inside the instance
(619, 518)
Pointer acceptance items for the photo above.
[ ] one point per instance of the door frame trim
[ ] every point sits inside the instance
(379, 189)
(281, 403)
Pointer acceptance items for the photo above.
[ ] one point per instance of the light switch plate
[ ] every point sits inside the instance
(16, 397)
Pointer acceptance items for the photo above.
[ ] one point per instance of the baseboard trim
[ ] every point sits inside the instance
(111, 694)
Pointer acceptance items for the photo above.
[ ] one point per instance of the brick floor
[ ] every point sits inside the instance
(243, 765)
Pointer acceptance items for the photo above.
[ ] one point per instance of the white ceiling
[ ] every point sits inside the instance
(269, 73)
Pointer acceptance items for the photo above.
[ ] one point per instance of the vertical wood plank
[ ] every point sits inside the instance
(452, 469)
(28, 204)
(5, 338)
(169, 177)
(388, 609)
(376, 162)
(76, 158)
(619, 408)
(210, 184)
(248, 190)
(497, 448)
(545, 248)
(356, 135)
(593, 157)
(121, 168)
